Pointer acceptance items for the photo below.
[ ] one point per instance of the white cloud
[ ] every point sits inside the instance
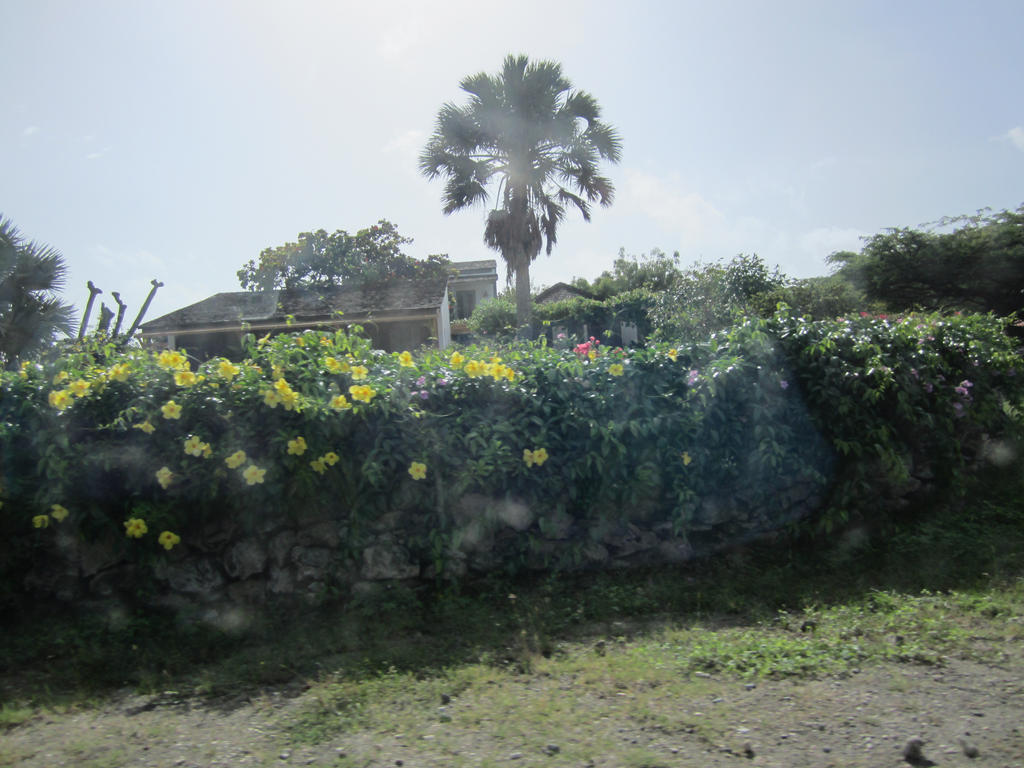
(97, 155)
(408, 143)
(30, 130)
(683, 212)
(822, 241)
(1016, 136)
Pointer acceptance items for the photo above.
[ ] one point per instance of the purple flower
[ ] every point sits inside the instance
(784, 384)
(913, 372)
(966, 383)
(424, 394)
(421, 381)
(958, 409)
(928, 386)
(692, 378)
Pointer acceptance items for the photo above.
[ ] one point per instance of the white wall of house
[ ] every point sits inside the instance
(444, 326)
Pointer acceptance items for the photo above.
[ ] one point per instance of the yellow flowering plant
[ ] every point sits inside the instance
(297, 446)
(236, 459)
(135, 528)
(168, 540)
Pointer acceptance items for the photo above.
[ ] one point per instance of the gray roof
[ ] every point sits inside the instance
(471, 269)
(561, 292)
(305, 305)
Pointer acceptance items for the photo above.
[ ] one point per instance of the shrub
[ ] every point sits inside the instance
(318, 423)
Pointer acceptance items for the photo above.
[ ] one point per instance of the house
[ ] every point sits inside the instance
(396, 315)
(474, 282)
(561, 292)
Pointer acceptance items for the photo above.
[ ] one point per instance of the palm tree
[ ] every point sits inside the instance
(31, 315)
(540, 141)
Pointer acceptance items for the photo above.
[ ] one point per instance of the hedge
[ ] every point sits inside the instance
(138, 443)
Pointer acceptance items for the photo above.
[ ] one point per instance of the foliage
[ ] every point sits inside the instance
(819, 298)
(494, 318)
(527, 130)
(707, 298)
(31, 314)
(977, 267)
(601, 437)
(318, 259)
(655, 272)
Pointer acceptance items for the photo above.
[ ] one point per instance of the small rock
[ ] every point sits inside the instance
(912, 751)
(552, 749)
(748, 751)
(750, 686)
(969, 749)
(445, 698)
(285, 755)
(515, 756)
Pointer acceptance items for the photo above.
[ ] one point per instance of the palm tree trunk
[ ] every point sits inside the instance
(524, 329)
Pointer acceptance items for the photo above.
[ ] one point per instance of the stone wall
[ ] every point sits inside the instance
(326, 556)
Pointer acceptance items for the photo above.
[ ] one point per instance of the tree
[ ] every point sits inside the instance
(656, 272)
(31, 314)
(373, 255)
(978, 266)
(527, 131)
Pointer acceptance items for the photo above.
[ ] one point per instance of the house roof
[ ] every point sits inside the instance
(304, 305)
(560, 292)
(468, 270)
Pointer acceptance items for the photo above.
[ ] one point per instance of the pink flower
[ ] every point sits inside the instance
(784, 384)
(692, 378)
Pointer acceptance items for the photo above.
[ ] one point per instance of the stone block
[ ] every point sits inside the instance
(245, 558)
(387, 560)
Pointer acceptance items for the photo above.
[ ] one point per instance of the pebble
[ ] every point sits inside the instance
(912, 750)
(552, 749)
(445, 698)
(515, 756)
(969, 749)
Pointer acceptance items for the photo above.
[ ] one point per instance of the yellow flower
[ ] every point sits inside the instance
(120, 372)
(361, 392)
(673, 354)
(417, 470)
(405, 360)
(495, 359)
(263, 340)
(227, 370)
(686, 459)
(236, 459)
(171, 410)
(58, 513)
(359, 372)
(207, 450)
(318, 465)
(146, 427)
(615, 369)
(510, 374)
(592, 353)
(60, 399)
(276, 371)
(326, 341)
(536, 457)
(135, 527)
(79, 387)
(61, 376)
(299, 341)
(194, 446)
(340, 403)
(185, 378)
(40, 521)
(297, 447)
(456, 360)
(168, 540)
(474, 369)
(253, 474)
(164, 476)
(271, 398)
(330, 458)
(173, 360)
(332, 365)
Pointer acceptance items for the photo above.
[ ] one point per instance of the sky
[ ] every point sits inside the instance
(176, 140)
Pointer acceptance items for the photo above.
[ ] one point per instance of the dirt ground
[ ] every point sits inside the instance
(966, 714)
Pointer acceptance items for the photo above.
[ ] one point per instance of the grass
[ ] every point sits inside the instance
(501, 657)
